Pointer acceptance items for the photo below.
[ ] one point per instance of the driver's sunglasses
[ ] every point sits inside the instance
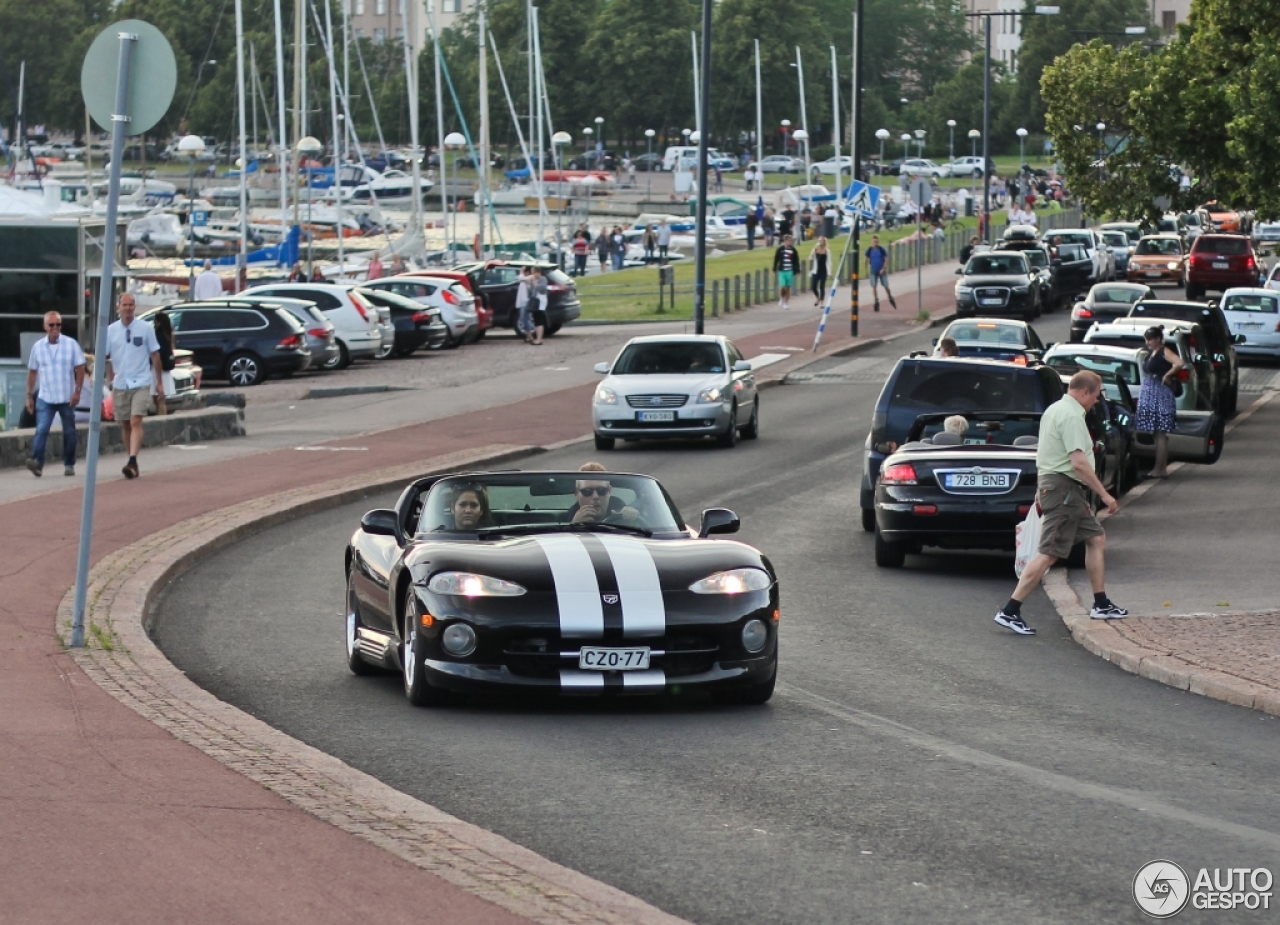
(53, 324)
(598, 491)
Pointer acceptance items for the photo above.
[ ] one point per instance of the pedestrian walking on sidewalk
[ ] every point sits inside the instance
(768, 228)
(617, 247)
(602, 246)
(786, 263)
(538, 305)
(650, 242)
(818, 270)
(1065, 463)
(524, 322)
(664, 239)
(581, 251)
(752, 223)
(133, 363)
(878, 272)
(1157, 405)
(57, 362)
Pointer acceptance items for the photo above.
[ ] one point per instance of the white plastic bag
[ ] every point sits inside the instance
(1028, 534)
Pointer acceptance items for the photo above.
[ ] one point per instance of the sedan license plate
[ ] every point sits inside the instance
(1249, 326)
(597, 659)
(989, 301)
(1221, 265)
(976, 480)
(1153, 272)
(655, 415)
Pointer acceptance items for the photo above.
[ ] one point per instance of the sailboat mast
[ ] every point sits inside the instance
(338, 138)
(759, 124)
(413, 36)
(297, 101)
(346, 66)
(242, 259)
(282, 142)
(697, 85)
(835, 114)
(542, 168)
(483, 165)
(444, 193)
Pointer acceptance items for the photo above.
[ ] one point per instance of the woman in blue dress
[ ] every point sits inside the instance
(1157, 407)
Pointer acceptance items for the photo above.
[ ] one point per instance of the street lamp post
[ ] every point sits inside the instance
(1022, 147)
(906, 146)
(599, 120)
(1102, 150)
(974, 135)
(951, 143)
(457, 140)
(308, 146)
(883, 135)
(648, 163)
(586, 134)
(802, 137)
(558, 141)
(191, 145)
(920, 133)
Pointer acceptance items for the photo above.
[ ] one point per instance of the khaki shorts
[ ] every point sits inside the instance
(131, 403)
(1068, 514)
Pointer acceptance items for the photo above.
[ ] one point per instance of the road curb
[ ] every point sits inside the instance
(122, 659)
(1106, 642)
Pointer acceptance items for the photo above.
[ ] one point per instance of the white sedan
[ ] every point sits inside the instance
(676, 385)
(921, 167)
(1254, 315)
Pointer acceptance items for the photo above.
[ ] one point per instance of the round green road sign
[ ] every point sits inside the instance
(153, 76)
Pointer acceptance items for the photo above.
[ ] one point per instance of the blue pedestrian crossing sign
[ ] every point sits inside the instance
(862, 198)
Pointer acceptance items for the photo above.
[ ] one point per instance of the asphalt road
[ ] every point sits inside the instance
(917, 764)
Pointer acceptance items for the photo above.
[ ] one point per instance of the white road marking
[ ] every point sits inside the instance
(767, 359)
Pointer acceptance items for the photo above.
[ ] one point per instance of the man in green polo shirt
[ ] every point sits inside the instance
(1064, 462)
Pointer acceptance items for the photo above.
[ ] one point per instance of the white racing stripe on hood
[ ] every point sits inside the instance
(643, 611)
(577, 591)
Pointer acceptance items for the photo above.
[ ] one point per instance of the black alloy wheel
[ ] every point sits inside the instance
(245, 369)
(413, 659)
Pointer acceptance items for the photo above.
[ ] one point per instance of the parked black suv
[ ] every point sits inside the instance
(416, 325)
(1221, 346)
(497, 280)
(998, 283)
(927, 385)
(241, 342)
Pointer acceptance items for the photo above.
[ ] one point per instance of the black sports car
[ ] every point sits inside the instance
(571, 582)
(956, 491)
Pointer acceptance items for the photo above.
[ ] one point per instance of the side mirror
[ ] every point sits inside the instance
(934, 342)
(380, 522)
(1238, 339)
(602, 368)
(960, 271)
(742, 366)
(718, 520)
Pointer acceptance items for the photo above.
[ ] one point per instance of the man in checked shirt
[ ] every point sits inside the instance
(57, 362)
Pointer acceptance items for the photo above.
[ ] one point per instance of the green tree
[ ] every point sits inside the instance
(1046, 38)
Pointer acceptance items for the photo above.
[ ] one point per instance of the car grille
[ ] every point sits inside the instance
(676, 655)
(657, 401)
(985, 293)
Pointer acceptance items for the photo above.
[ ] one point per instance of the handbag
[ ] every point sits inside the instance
(1176, 388)
(1027, 536)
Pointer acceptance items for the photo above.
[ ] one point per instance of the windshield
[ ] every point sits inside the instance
(1037, 257)
(1225, 246)
(1117, 294)
(526, 502)
(988, 332)
(1251, 303)
(1115, 238)
(996, 265)
(1075, 237)
(980, 428)
(1158, 246)
(1119, 367)
(670, 358)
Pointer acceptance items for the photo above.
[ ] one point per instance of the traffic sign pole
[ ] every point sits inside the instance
(119, 121)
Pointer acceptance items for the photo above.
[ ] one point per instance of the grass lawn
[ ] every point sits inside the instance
(633, 294)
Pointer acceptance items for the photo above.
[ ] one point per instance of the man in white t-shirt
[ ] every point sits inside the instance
(133, 364)
(208, 284)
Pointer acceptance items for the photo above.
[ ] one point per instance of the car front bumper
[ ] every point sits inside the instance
(1154, 272)
(693, 420)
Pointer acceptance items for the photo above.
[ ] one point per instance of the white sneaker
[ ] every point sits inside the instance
(786, 306)
(1108, 611)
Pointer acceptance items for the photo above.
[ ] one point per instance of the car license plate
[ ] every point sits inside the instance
(1153, 272)
(989, 301)
(1249, 326)
(1221, 265)
(976, 480)
(655, 415)
(596, 659)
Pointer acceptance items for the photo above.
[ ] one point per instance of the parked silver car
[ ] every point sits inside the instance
(322, 337)
(672, 385)
(359, 329)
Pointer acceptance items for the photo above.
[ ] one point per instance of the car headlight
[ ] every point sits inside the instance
(754, 635)
(469, 584)
(458, 639)
(710, 396)
(1172, 265)
(964, 290)
(734, 581)
(606, 396)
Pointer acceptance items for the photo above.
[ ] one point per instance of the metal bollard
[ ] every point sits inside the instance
(715, 298)
(737, 293)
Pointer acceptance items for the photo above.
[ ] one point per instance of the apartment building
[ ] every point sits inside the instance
(381, 20)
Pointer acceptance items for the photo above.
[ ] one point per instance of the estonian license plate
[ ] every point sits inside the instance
(655, 415)
(976, 480)
(989, 301)
(596, 659)
(1221, 265)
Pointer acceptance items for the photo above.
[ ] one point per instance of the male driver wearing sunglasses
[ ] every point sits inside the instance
(594, 501)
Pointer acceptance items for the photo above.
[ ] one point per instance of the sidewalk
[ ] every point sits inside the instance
(108, 818)
(1191, 557)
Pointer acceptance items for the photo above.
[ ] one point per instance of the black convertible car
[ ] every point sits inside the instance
(956, 491)
(566, 582)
